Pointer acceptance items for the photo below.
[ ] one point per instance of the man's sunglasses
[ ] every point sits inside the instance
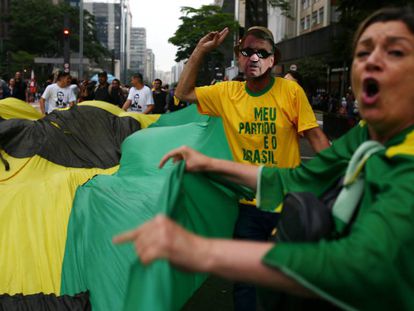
(247, 52)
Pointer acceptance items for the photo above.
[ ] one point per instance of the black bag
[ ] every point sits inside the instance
(304, 218)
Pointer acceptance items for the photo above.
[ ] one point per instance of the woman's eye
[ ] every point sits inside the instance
(396, 53)
(360, 54)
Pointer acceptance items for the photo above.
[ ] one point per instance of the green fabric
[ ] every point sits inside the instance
(109, 205)
(371, 268)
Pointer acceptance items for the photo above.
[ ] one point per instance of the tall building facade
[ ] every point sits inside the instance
(138, 47)
(113, 23)
(149, 72)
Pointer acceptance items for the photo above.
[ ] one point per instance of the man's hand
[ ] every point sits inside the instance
(163, 238)
(194, 160)
(212, 40)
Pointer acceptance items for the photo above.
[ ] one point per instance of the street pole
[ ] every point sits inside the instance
(66, 43)
(81, 40)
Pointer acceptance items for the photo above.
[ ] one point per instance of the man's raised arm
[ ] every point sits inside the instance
(187, 83)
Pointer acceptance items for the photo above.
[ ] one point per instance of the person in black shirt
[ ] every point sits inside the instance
(160, 97)
(102, 89)
(117, 94)
(21, 87)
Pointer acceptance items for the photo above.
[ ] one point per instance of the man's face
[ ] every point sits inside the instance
(135, 81)
(258, 57)
(67, 80)
(115, 84)
(18, 76)
(157, 85)
(102, 79)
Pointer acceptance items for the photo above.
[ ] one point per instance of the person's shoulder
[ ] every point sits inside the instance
(51, 86)
(286, 83)
(230, 85)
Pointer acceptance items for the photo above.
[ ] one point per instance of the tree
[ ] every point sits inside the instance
(196, 23)
(313, 72)
(36, 28)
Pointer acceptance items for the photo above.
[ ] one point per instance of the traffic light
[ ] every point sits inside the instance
(66, 49)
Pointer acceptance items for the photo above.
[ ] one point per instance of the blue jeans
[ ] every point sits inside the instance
(252, 224)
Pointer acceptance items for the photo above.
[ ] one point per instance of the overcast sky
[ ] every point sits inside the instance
(161, 20)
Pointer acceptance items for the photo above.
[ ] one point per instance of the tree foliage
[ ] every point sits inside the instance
(36, 29)
(196, 23)
(313, 71)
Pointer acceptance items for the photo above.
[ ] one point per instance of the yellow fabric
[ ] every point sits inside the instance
(176, 101)
(261, 129)
(15, 108)
(35, 202)
(145, 119)
(36, 198)
(407, 147)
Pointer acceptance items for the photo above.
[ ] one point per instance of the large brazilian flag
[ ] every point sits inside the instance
(72, 180)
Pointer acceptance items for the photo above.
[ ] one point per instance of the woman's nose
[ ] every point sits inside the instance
(375, 59)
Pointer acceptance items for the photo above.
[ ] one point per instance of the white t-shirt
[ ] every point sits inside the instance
(140, 99)
(57, 97)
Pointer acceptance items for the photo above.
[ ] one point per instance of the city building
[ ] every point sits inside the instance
(149, 72)
(309, 34)
(176, 71)
(138, 47)
(113, 24)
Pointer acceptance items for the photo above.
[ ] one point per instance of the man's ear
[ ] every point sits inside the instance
(273, 63)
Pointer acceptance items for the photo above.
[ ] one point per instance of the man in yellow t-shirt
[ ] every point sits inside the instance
(262, 117)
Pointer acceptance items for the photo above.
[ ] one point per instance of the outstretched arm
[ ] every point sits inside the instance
(240, 173)
(126, 104)
(317, 139)
(186, 85)
(236, 260)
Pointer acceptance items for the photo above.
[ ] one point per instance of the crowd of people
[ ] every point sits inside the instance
(61, 90)
(16, 87)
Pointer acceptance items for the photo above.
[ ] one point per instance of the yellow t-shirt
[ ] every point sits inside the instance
(261, 128)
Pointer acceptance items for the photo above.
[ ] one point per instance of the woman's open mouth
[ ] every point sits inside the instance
(370, 90)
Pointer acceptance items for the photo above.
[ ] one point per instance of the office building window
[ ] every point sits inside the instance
(307, 22)
(315, 18)
(320, 15)
(302, 24)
